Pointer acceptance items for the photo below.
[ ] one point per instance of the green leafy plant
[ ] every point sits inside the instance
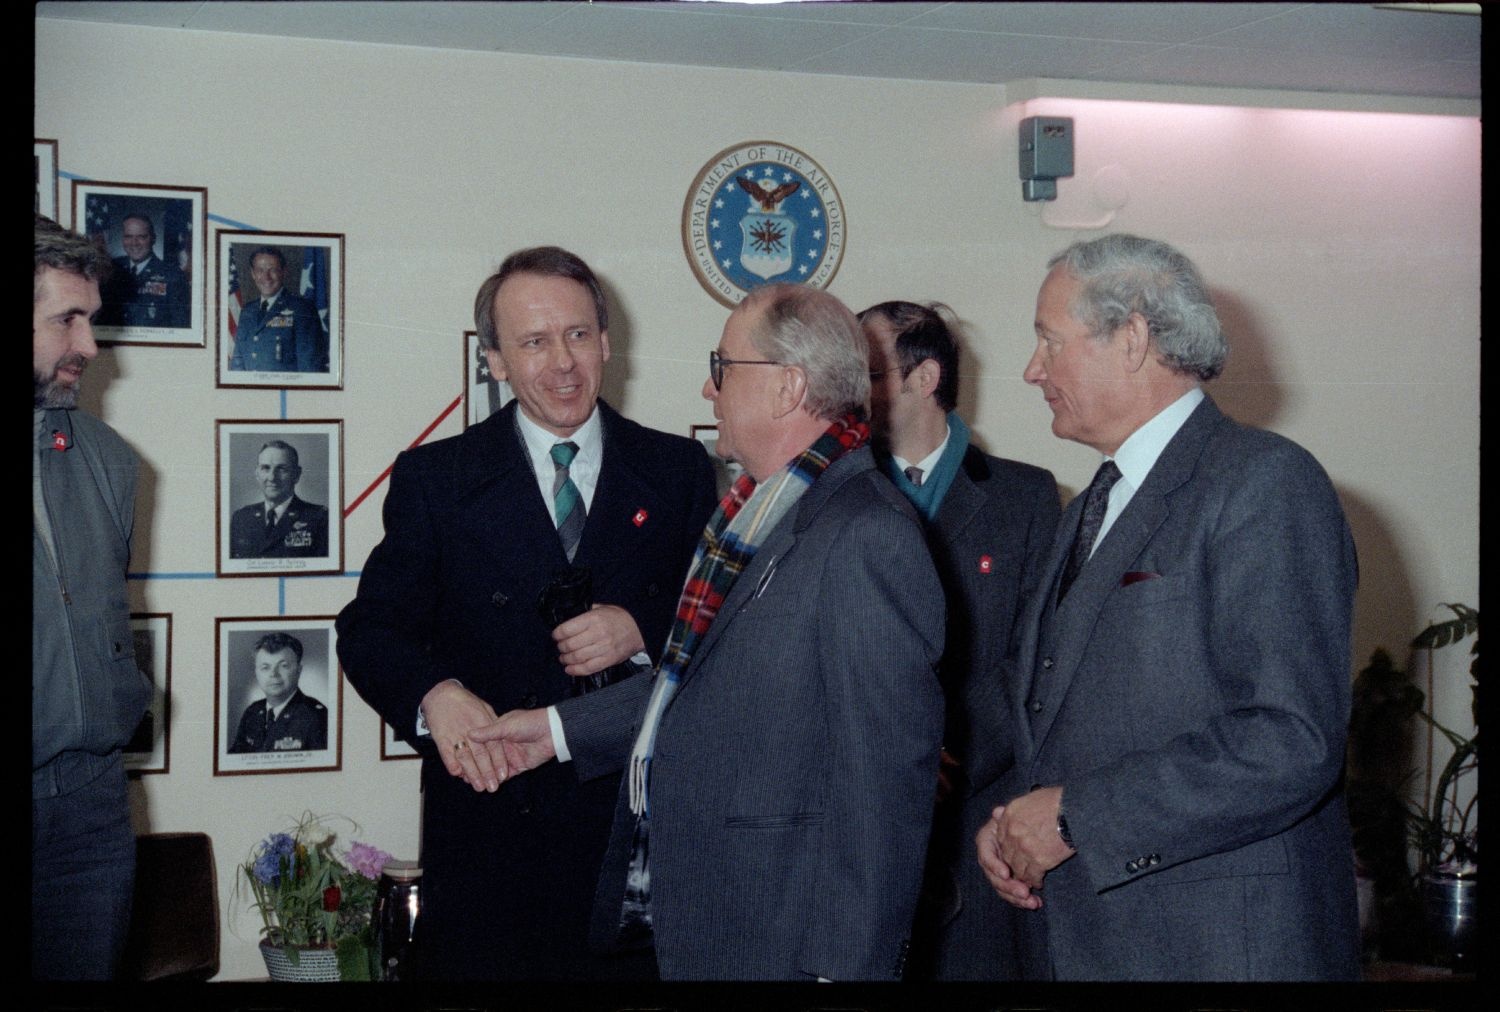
(1387, 715)
(1444, 830)
(312, 894)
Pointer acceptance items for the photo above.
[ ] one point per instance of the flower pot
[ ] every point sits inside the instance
(1451, 902)
(312, 966)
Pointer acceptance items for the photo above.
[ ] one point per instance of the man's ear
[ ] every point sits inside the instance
(497, 364)
(926, 376)
(1136, 333)
(789, 391)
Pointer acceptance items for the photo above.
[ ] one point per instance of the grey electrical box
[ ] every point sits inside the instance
(1046, 155)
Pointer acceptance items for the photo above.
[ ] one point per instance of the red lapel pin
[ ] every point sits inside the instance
(986, 564)
(59, 440)
(639, 518)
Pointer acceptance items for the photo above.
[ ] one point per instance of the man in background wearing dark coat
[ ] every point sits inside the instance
(989, 521)
(446, 627)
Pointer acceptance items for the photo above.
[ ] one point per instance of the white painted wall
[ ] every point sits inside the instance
(1344, 246)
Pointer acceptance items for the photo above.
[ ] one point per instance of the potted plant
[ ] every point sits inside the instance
(1442, 829)
(315, 900)
(1445, 830)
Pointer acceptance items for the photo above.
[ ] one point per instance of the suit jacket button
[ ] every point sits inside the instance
(1154, 860)
(529, 700)
(1035, 706)
(1132, 867)
(653, 590)
(1047, 663)
(498, 599)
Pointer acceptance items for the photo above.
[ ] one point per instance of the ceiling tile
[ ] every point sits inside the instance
(934, 54)
(599, 31)
(1130, 22)
(1360, 30)
(848, 11)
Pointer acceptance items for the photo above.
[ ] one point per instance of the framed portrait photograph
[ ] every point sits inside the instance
(278, 695)
(483, 393)
(149, 749)
(280, 314)
(44, 165)
(155, 234)
(392, 747)
(280, 497)
(725, 471)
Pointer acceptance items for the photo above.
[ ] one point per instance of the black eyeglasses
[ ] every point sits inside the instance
(717, 362)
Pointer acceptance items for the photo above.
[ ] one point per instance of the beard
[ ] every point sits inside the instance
(49, 393)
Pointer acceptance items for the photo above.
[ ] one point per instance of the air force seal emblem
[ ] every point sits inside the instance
(758, 213)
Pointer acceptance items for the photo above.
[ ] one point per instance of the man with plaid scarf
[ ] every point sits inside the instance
(783, 759)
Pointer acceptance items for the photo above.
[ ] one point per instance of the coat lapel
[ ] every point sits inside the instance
(1074, 619)
(761, 573)
(495, 486)
(962, 503)
(621, 520)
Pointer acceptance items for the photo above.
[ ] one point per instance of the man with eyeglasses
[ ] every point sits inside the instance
(782, 761)
(458, 616)
(989, 521)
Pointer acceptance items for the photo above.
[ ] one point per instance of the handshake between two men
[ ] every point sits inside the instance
(484, 749)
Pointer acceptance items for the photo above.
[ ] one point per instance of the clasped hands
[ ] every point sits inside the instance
(483, 749)
(1020, 844)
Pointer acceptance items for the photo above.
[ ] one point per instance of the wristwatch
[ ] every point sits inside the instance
(1062, 828)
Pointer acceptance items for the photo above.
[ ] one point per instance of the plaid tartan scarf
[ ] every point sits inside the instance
(734, 533)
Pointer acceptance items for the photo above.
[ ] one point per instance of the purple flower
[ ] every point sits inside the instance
(268, 862)
(366, 860)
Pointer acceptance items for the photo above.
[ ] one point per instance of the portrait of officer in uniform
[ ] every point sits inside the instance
(279, 330)
(287, 719)
(144, 290)
(281, 525)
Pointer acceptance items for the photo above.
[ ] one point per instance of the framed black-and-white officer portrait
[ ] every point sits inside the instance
(155, 235)
(483, 393)
(149, 748)
(392, 747)
(725, 471)
(280, 315)
(44, 165)
(280, 495)
(278, 695)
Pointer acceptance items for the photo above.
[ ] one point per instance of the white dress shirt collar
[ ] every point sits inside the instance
(1138, 454)
(584, 471)
(930, 461)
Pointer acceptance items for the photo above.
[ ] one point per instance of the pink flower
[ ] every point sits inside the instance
(366, 860)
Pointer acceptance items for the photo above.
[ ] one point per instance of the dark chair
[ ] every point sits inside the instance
(174, 924)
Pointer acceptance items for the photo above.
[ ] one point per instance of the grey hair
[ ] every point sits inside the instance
(62, 250)
(811, 329)
(1123, 274)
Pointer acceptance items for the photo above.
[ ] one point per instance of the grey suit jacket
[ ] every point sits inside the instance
(1191, 696)
(792, 784)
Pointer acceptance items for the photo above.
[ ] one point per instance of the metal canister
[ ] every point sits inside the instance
(398, 903)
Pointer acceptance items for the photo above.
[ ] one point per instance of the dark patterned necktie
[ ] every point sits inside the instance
(566, 500)
(914, 475)
(1095, 505)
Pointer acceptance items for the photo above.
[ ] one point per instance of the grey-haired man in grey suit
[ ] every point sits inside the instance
(1174, 812)
(783, 760)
